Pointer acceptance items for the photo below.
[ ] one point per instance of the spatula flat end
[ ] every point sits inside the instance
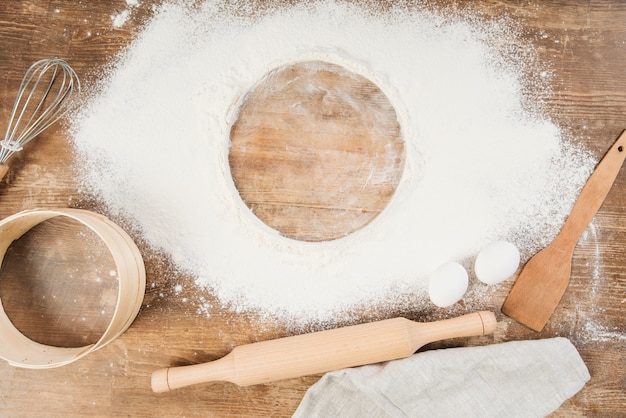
(539, 287)
(520, 314)
(527, 303)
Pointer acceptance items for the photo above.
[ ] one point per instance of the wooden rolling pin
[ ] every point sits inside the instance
(323, 351)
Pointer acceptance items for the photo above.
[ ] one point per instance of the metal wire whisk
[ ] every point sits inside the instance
(49, 89)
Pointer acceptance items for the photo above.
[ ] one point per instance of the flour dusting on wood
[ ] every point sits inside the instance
(483, 160)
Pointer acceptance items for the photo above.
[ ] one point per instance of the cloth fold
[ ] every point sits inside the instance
(512, 379)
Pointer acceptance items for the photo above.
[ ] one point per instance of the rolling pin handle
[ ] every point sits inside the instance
(489, 321)
(159, 381)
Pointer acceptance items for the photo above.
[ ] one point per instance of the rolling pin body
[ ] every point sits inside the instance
(322, 351)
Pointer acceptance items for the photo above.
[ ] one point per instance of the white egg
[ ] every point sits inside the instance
(496, 262)
(447, 284)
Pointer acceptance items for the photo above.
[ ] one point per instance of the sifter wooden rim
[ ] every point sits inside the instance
(21, 351)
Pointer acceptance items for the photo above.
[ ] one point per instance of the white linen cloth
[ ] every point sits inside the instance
(512, 379)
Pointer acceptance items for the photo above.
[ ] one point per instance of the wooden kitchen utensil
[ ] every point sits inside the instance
(546, 275)
(323, 351)
(18, 349)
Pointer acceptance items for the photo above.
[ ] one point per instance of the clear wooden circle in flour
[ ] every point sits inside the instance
(316, 151)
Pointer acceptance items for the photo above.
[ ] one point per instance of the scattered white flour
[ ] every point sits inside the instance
(597, 332)
(483, 161)
(121, 18)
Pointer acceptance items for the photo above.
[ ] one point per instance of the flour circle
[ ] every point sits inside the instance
(457, 84)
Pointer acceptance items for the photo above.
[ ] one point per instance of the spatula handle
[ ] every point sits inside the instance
(323, 351)
(593, 193)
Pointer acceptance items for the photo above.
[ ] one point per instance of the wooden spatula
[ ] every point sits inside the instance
(545, 276)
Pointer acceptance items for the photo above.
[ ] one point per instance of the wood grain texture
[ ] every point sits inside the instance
(172, 328)
(299, 146)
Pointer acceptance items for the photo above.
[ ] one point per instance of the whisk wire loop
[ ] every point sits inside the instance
(48, 90)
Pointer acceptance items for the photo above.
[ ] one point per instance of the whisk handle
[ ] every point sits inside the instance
(3, 170)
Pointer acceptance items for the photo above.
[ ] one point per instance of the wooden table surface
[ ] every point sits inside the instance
(589, 99)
